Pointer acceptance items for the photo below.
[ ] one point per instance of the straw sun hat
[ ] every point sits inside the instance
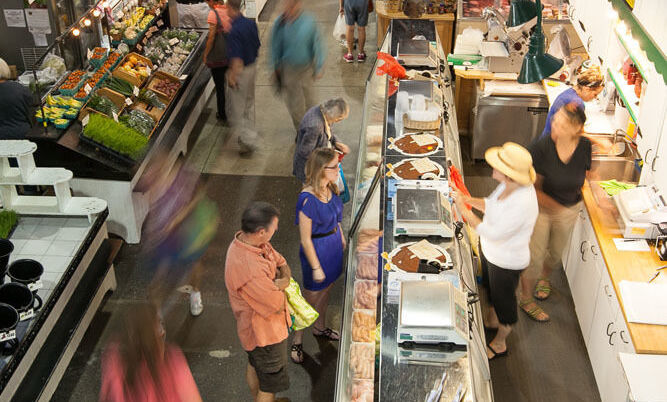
(512, 160)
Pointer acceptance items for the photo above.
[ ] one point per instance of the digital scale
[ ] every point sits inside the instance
(422, 208)
(640, 209)
(416, 53)
(432, 322)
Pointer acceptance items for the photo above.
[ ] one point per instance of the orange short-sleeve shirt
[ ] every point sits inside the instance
(224, 18)
(260, 308)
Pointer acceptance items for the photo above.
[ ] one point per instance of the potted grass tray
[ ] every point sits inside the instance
(114, 138)
(8, 222)
(113, 96)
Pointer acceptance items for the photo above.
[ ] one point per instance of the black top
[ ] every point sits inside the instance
(15, 102)
(562, 182)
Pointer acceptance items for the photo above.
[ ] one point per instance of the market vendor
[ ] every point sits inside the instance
(590, 83)
(15, 106)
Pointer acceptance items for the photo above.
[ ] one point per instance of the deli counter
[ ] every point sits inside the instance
(412, 325)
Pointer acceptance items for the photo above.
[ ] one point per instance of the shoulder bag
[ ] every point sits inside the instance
(217, 57)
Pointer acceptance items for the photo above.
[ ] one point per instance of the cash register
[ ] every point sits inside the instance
(641, 210)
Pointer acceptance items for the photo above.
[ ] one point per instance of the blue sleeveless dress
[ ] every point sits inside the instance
(329, 249)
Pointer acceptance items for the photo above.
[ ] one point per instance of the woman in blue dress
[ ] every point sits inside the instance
(319, 212)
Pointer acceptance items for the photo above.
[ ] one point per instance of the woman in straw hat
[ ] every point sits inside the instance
(504, 235)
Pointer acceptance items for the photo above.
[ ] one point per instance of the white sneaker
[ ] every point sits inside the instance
(196, 305)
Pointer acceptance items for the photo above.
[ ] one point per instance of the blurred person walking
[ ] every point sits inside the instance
(215, 56)
(242, 50)
(356, 12)
(315, 132)
(319, 212)
(297, 58)
(256, 276)
(139, 366)
(181, 223)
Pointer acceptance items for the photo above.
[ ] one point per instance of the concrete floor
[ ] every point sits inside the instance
(548, 361)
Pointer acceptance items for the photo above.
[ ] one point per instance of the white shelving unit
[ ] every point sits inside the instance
(27, 174)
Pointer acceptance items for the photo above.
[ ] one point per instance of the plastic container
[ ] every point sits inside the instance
(6, 248)
(363, 326)
(28, 272)
(362, 360)
(20, 297)
(365, 295)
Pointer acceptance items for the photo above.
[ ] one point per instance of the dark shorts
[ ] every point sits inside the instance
(270, 363)
(501, 287)
(356, 12)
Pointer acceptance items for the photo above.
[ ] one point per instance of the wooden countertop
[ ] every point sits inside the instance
(625, 265)
(472, 74)
(400, 15)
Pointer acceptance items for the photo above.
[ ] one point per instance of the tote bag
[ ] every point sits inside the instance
(217, 57)
(303, 314)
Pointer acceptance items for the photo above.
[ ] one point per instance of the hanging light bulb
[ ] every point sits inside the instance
(97, 13)
(105, 4)
(87, 22)
(76, 32)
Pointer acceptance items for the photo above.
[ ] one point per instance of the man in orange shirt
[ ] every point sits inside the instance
(255, 276)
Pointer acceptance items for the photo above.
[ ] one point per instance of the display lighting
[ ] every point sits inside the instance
(97, 13)
(76, 32)
(87, 22)
(537, 64)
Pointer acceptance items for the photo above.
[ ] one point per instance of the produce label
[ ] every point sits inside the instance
(26, 315)
(145, 40)
(173, 41)
(128, 101)
(184, 77)
(148, 35)
(115, 115)
(6, 336)
(35, 285)
(84, 121)
(160, 23)
(87, 88)
(135, 91)
(90, 54)
(139, 48)
(153, 28)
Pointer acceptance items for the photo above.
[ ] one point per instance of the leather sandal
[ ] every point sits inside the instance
(328, 333)
(534, 312)
(296, 350)
(543, 286)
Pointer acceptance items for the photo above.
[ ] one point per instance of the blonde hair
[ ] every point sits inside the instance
(591, 77)
(5, 72)
(315, 165)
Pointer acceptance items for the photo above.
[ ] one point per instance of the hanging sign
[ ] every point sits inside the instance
(15, 18)
(38, 20)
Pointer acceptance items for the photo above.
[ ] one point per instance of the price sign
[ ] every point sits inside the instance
(148, 34)
(26, 315)
(173, 41)
(160, 23)
(35, 285)
(139, 47)
(87, 88)
(144, 40)
(128, 101)
(84, 121)
(154, 67)
(135, 91)
(183, 77)
(90, 54)
(153, 28)
(6, 336)
(115, 115)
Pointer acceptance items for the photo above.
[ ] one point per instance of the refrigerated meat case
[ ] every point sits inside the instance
(102, 174)
(363, 375)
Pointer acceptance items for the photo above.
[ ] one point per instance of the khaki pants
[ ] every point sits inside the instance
(550, 237)
(297, 89)
(240, 105)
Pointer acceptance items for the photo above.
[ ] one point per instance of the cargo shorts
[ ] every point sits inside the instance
(270, 363)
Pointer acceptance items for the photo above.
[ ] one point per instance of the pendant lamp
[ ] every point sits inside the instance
(537, 64)
(521, 11)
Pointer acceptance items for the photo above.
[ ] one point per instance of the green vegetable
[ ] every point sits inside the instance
(115, 135)
(138, 120)
(150, 98)
(103, 105)
(121, 86)
(8, 219)
(613, 187)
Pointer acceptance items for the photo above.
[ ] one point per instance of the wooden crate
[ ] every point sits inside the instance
(165, 76)
(115, 97)
(152, 111)
(120, 73)
(139, 107)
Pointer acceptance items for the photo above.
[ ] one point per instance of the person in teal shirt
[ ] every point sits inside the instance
(297, 58)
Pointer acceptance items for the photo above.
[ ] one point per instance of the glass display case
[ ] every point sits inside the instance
(552, 9)
(372, 365)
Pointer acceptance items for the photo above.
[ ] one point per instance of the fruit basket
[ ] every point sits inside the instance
(165, 85)
(134, 69)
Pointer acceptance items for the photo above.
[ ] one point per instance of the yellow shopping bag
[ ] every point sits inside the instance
(303, 314)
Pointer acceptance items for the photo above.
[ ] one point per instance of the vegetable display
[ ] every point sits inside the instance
(167, 87)
(136, 67)
(115, 136)
(99, 53)
(73, 80)
(121, 86)
(169, 56)
(139, 121)
(8, 219)
(150, 98)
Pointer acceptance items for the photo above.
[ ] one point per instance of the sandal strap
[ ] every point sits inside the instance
(297, 347)
(328, 333)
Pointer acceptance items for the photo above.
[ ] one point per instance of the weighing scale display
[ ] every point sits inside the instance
(413, 47)
(418, 205)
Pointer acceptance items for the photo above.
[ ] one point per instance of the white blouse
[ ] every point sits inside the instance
(507, 227)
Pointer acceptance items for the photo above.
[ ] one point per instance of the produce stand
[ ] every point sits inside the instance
(112, 176)
(72, 288)
(384, 375)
